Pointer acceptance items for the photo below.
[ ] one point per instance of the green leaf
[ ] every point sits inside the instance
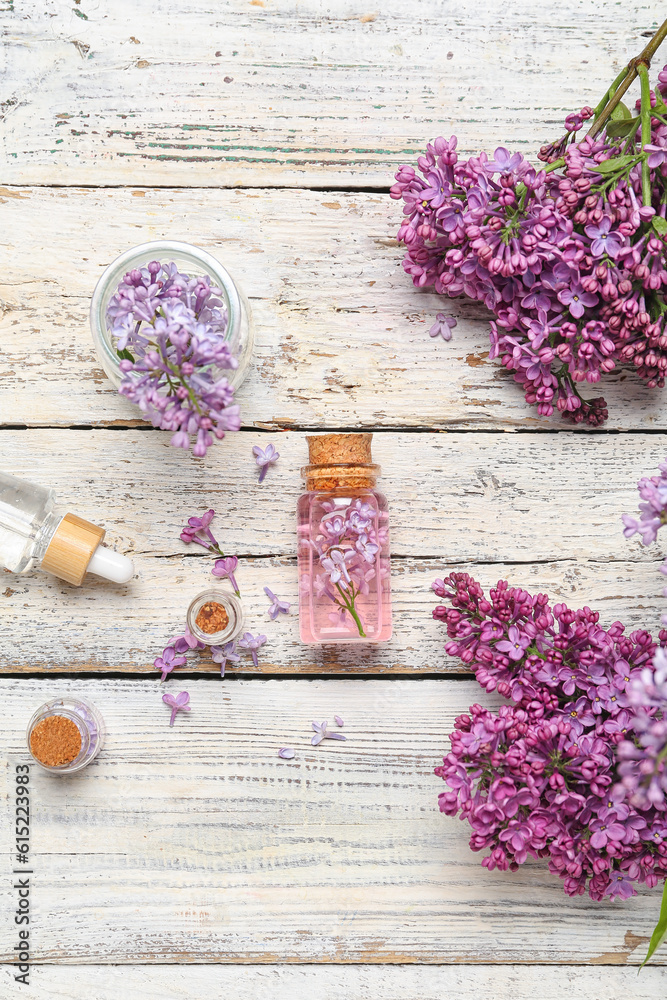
(660, 932)
(620, 112)
(659, 224)
(623, 127)
(614, 164)
(125, 355)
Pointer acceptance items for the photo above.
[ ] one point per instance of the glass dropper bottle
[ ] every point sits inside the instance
(33, 533)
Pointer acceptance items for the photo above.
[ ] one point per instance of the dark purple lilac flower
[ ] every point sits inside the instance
(277, 606)
(265, 457)
(573, 769)
(603, 241)
(442, 327)
(252, 643)
(177, 703)
(198, 530)
(226, 568)
(169, 330)
(515, 645)
(221, 654)
(168, 661)
(576, 299)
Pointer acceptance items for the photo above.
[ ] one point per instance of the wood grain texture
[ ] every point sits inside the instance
(198, 843)
(344, 982)
(341, 334)
(293, 93)
(458, 497)
(48, 626)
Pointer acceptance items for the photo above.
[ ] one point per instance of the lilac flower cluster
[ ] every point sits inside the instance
(347, 545)
(570, 259)
(554, 774)
(169, 331)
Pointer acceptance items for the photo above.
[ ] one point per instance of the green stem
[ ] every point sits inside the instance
(348, 603)
(645, 115)
(627, 77)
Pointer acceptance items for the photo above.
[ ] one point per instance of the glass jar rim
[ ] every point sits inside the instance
(232, 606)
(144, 252)
(65, 707)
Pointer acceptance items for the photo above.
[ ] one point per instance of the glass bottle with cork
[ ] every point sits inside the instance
(343, 544)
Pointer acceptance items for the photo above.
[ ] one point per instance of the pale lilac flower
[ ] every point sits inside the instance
(252, 643)
(442, 327)
(287, 753)
(168, 661)
(505, 163)
(277, 606)
(220, 654)
(225, 568)
(338, 720)
(179, 703)
(264, 458)
(322, 733)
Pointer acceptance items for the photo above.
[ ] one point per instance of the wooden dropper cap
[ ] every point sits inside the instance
(340, 460)
(72, 547)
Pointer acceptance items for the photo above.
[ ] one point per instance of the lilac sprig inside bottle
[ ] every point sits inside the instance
(169, 330)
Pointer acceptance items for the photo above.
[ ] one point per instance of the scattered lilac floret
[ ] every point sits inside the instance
(168, 661)
(197, 530)
(252, 643)
(322, 733)
(179, 703)
(286, 753)
(264, 458)
(277, 606)
(442, 327)
(184, 643)
(220, 654)
(338, 720)
(225, 568)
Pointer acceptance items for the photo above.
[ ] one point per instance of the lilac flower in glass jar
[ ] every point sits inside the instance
(170, 331)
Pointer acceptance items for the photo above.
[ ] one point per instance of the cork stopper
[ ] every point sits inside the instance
(71, 549)
(340, 460)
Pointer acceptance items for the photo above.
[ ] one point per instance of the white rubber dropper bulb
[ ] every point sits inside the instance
(111, 565)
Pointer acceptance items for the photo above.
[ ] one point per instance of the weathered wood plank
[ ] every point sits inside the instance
(458, 496)
(198, 844)
(344, 982)
(341, 334)
(51, 627)
(296, 93)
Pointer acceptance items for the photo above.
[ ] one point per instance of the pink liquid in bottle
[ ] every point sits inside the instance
(343, 545)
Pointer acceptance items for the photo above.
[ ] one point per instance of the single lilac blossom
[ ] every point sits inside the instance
(657, 155)
(225, 568)
(265, 457)
(221, 654)
(442, 327)
(322, 733)
(277, 606)
(178, 703)
(515, 645)
(168, 661)
(287, 753)
(198, 530)
(338, 720)
(603, 241)
(252, 643)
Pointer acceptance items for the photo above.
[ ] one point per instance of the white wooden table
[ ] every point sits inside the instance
(191, 861)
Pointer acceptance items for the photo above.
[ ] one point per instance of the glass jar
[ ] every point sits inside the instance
(87, 720)
(194, 262)
(232, 606)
